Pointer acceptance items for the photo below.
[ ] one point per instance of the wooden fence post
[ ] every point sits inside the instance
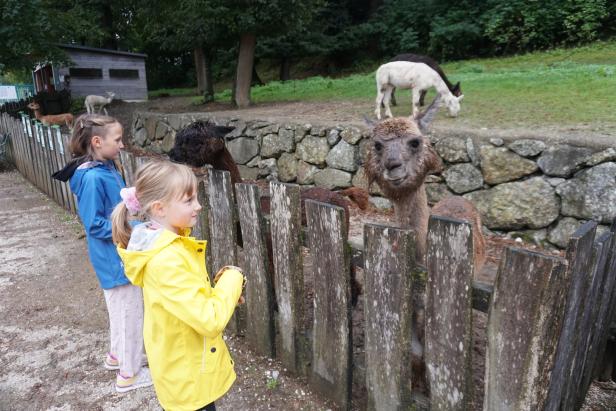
(448, 337)
(259, 295)
(331, 334)
(222, 246)
(579, 256)
(128, 164)
(524, 322)
(286, 224)
(389, 262)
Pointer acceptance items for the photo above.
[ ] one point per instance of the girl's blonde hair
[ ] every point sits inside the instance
(87, 126)
(157, 180)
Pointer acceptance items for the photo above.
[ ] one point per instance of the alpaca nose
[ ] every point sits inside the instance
(392, 164)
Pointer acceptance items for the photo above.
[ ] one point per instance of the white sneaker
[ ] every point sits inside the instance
(140, 380)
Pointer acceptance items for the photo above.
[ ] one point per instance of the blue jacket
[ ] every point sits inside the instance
(97, 186)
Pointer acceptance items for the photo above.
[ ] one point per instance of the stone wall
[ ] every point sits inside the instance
(540, 192)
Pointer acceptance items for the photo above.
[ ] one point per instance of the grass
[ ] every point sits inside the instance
(172, 92)
(558, 87)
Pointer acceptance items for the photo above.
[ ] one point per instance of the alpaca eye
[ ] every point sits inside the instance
(414, 143)
(378, 146)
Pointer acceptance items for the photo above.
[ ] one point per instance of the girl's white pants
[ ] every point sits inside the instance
(125, 307)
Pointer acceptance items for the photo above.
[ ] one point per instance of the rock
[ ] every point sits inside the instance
(318, 131)
(554, 181)
(175, 122)
(452, 150)
(433, 178)
(238, 131)
(351, 135)
(591, 194)
(381, 203)
(361, 180)
(248, 173)
(287, 167)
(254, 162)
(140, 137)
(343, 156)
(495, 141)
(333, 137)
(436, 192)
(527, 147)
(168, 142)
(268, 167)
(364, 146)
(500, 165)
(150, 126)
(462, 178)
(601, 157)
(270, 129)
(331, 178)
(243, 149)
(305, 172)
(300, 133)
(472, 152)
(313, 150)
(562, 160)
(273, 145)
(287, 133)
(161, 130)
(531, 203)
(559, 235)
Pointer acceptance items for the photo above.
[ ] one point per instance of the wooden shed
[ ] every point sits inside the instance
(95, 71)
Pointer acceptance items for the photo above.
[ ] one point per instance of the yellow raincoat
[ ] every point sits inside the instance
(184, 318)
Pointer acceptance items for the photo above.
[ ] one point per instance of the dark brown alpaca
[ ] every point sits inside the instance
(202, 143)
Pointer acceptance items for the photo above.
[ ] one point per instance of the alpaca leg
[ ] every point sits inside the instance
(415, 102)
(105, 110)
(379, 101)
(386, 100)
(393, 97)
(422, 97)
(88, 108)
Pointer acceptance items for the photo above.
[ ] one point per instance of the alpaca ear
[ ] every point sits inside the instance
(461, 97)
(424, 120)
(369, 123)
(456, 88)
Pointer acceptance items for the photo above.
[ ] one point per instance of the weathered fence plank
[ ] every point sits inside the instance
(579, 255)
(221, 246)
(59, 164)
(67, 158)
(448, 339)
(259, 296)
(389, 265)
(524, 323)
(128, 163)
(54, 165)
(593, 320)
(331, 333)
(288, 273)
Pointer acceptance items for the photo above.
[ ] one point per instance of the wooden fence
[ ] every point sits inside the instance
(548, 316)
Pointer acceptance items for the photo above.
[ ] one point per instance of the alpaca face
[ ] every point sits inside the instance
(453, 105)
(199, 143)
(400, 157)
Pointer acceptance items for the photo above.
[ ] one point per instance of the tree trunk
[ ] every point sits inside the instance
(200, 69)
(109, 40)
(244, 71)
(209, 79)
(285, 69)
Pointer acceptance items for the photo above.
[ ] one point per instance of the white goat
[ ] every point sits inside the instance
(93, 102)
(416, 76)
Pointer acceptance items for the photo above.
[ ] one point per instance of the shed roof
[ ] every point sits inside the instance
(102, 51)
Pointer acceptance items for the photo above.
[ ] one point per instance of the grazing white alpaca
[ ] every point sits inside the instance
(93, 102)
(416, 76)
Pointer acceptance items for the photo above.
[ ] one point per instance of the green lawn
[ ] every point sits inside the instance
(558, 87)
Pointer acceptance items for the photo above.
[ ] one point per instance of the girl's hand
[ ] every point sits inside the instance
(219, 274)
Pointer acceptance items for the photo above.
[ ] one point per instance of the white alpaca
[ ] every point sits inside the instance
(416, 76)
(93, 102)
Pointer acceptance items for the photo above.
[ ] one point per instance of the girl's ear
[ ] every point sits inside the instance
(96, 141)
(158, 209)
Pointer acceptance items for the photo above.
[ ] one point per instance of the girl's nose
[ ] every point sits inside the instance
(198, 206)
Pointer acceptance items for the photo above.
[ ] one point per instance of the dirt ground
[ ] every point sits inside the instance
(53, 323)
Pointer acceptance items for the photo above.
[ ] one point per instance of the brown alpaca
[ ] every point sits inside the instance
(399, 159)
(56, 119)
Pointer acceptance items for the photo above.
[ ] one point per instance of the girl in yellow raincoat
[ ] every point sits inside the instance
(184, 315)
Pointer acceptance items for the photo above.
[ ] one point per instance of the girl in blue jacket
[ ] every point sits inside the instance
(94, 178)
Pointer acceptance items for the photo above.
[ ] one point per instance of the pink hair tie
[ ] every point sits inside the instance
(129, 196)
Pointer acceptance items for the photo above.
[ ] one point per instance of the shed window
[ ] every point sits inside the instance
(123, 73)
(79, 72)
